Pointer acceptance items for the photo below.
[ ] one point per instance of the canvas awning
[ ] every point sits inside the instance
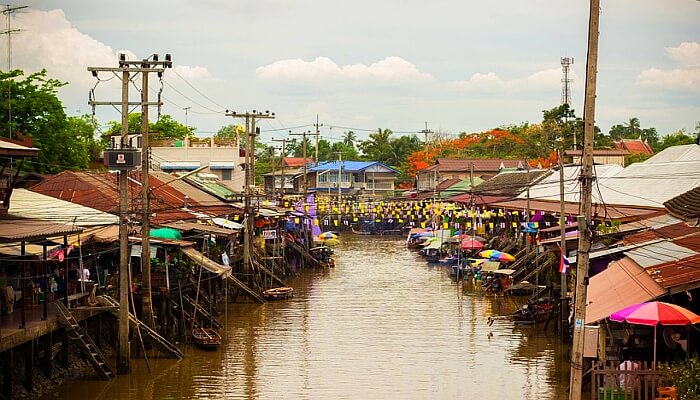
(193, 226)
(622, 284)
(490, 266)
(206, 262)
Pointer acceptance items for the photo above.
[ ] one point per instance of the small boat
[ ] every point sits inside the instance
(360, 232)
(278, 293)
(207, 338)
(324, 255)
(449, 261)
(532, 313)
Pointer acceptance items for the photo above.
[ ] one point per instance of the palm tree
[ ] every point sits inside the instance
(633, 126)
(349, 138)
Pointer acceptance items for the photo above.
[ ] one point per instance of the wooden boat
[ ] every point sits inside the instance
(207, 338)
(360, 232)
(324, 255)
(278, 293)
(532, 313)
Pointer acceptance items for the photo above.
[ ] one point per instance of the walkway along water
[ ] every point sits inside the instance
(382, 325)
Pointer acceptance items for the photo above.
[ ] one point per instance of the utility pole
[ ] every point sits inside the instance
(562, 231)
(303, 154)
(425, 132)
(340, 183)
(251, 131)
(8, 11)
(283, 154)
(124, 72)
(527, 211)
(584, 221)
(317, 134)
(187, 109)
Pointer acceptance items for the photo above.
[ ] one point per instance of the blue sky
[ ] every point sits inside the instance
(457, 65)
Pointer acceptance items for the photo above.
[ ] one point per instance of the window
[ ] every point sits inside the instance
(225, 174)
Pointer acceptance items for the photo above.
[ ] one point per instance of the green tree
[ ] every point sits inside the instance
(378, 146)
(229, 132)
(349, 138)
(677, 138)
(84, 128)
(63, 143)
(165, 128)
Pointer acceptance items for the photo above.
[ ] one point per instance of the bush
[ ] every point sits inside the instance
(685, 376)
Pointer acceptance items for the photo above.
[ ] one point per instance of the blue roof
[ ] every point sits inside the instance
(349, 166)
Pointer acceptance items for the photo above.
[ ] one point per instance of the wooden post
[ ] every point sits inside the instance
(7, 370)
(47, 363)
(29, 365)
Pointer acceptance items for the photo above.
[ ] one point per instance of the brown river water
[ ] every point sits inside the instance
(382, 324)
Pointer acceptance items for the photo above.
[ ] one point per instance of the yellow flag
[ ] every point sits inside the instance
(354, 219)
(422, 224)
(296, 220)
(336, 222)
(515, 224)
(316, 221)
(445, 225)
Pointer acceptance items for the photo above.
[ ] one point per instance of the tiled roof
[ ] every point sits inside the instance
(510, 183)
(296, 161)
(634, 146)
(686, 205)
(447, 183)
(465, 164)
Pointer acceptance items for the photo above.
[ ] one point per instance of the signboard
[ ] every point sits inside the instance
(136, 251)
(224, 259)
(269, 234)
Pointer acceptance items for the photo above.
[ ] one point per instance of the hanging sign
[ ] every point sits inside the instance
(269, 234)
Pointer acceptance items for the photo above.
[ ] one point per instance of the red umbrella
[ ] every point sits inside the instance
(654, 313)
(471, 244)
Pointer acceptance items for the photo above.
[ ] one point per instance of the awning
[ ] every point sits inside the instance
(221, 165)
(622, 284)
(206, 262)
(504, 271)
(227, 223)
(490, 266)
(434, 245)
(193, 226)
(180, 165)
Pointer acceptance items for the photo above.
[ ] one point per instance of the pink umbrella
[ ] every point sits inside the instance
(471, 244)
(654, 313)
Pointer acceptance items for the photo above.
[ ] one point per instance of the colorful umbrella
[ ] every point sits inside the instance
(471, 244)
(328, 235)
(464, 236)
(497, 255)
(654, 313)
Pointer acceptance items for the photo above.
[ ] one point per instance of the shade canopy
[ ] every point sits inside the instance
(655, 312)
(166, 233)
(471, 244)
(497, 255)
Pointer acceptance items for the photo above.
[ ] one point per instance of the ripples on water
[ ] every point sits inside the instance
(382, 325)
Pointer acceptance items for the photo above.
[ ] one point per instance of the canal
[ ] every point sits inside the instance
(382, 325)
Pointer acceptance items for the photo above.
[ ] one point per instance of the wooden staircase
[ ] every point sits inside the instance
(201, 310)
(304, 254)
(157, 340)
(87, 346)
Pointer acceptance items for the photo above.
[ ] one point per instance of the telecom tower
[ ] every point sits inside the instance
(565, 90)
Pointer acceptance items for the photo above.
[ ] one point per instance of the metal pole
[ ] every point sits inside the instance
(586, 177)
(123, 355)
(248, 215)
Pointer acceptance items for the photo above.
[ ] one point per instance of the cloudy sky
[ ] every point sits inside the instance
(457, 65)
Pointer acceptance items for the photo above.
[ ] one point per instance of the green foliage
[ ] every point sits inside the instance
(685, 376)
(380, 146)
(632, 129)
(165, 128)
(64, 142)
(678, 138)
(229, 131)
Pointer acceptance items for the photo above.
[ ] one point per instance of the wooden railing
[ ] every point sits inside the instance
(638, 383)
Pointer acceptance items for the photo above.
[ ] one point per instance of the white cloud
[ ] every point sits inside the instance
(685, 78)
(688, 53)
(549, 79)
(388, 70)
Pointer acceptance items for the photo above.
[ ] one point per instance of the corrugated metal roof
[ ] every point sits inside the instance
(351, 166)
(688, 152)
(510, 183)
(479, 165)
(685, 205)
(548, 187)
(16, 150)
(658, 253)
(621, 285)
(28, 204)
(15, 230)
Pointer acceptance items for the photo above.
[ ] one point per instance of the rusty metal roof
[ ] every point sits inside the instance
(16, 230)
(686, 205)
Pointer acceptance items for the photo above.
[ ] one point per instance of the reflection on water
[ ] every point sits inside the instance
(381, 325)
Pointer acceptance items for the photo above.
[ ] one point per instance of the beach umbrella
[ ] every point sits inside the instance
(654, 313)
(471, 244)
(328, 235)
(497, 255)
